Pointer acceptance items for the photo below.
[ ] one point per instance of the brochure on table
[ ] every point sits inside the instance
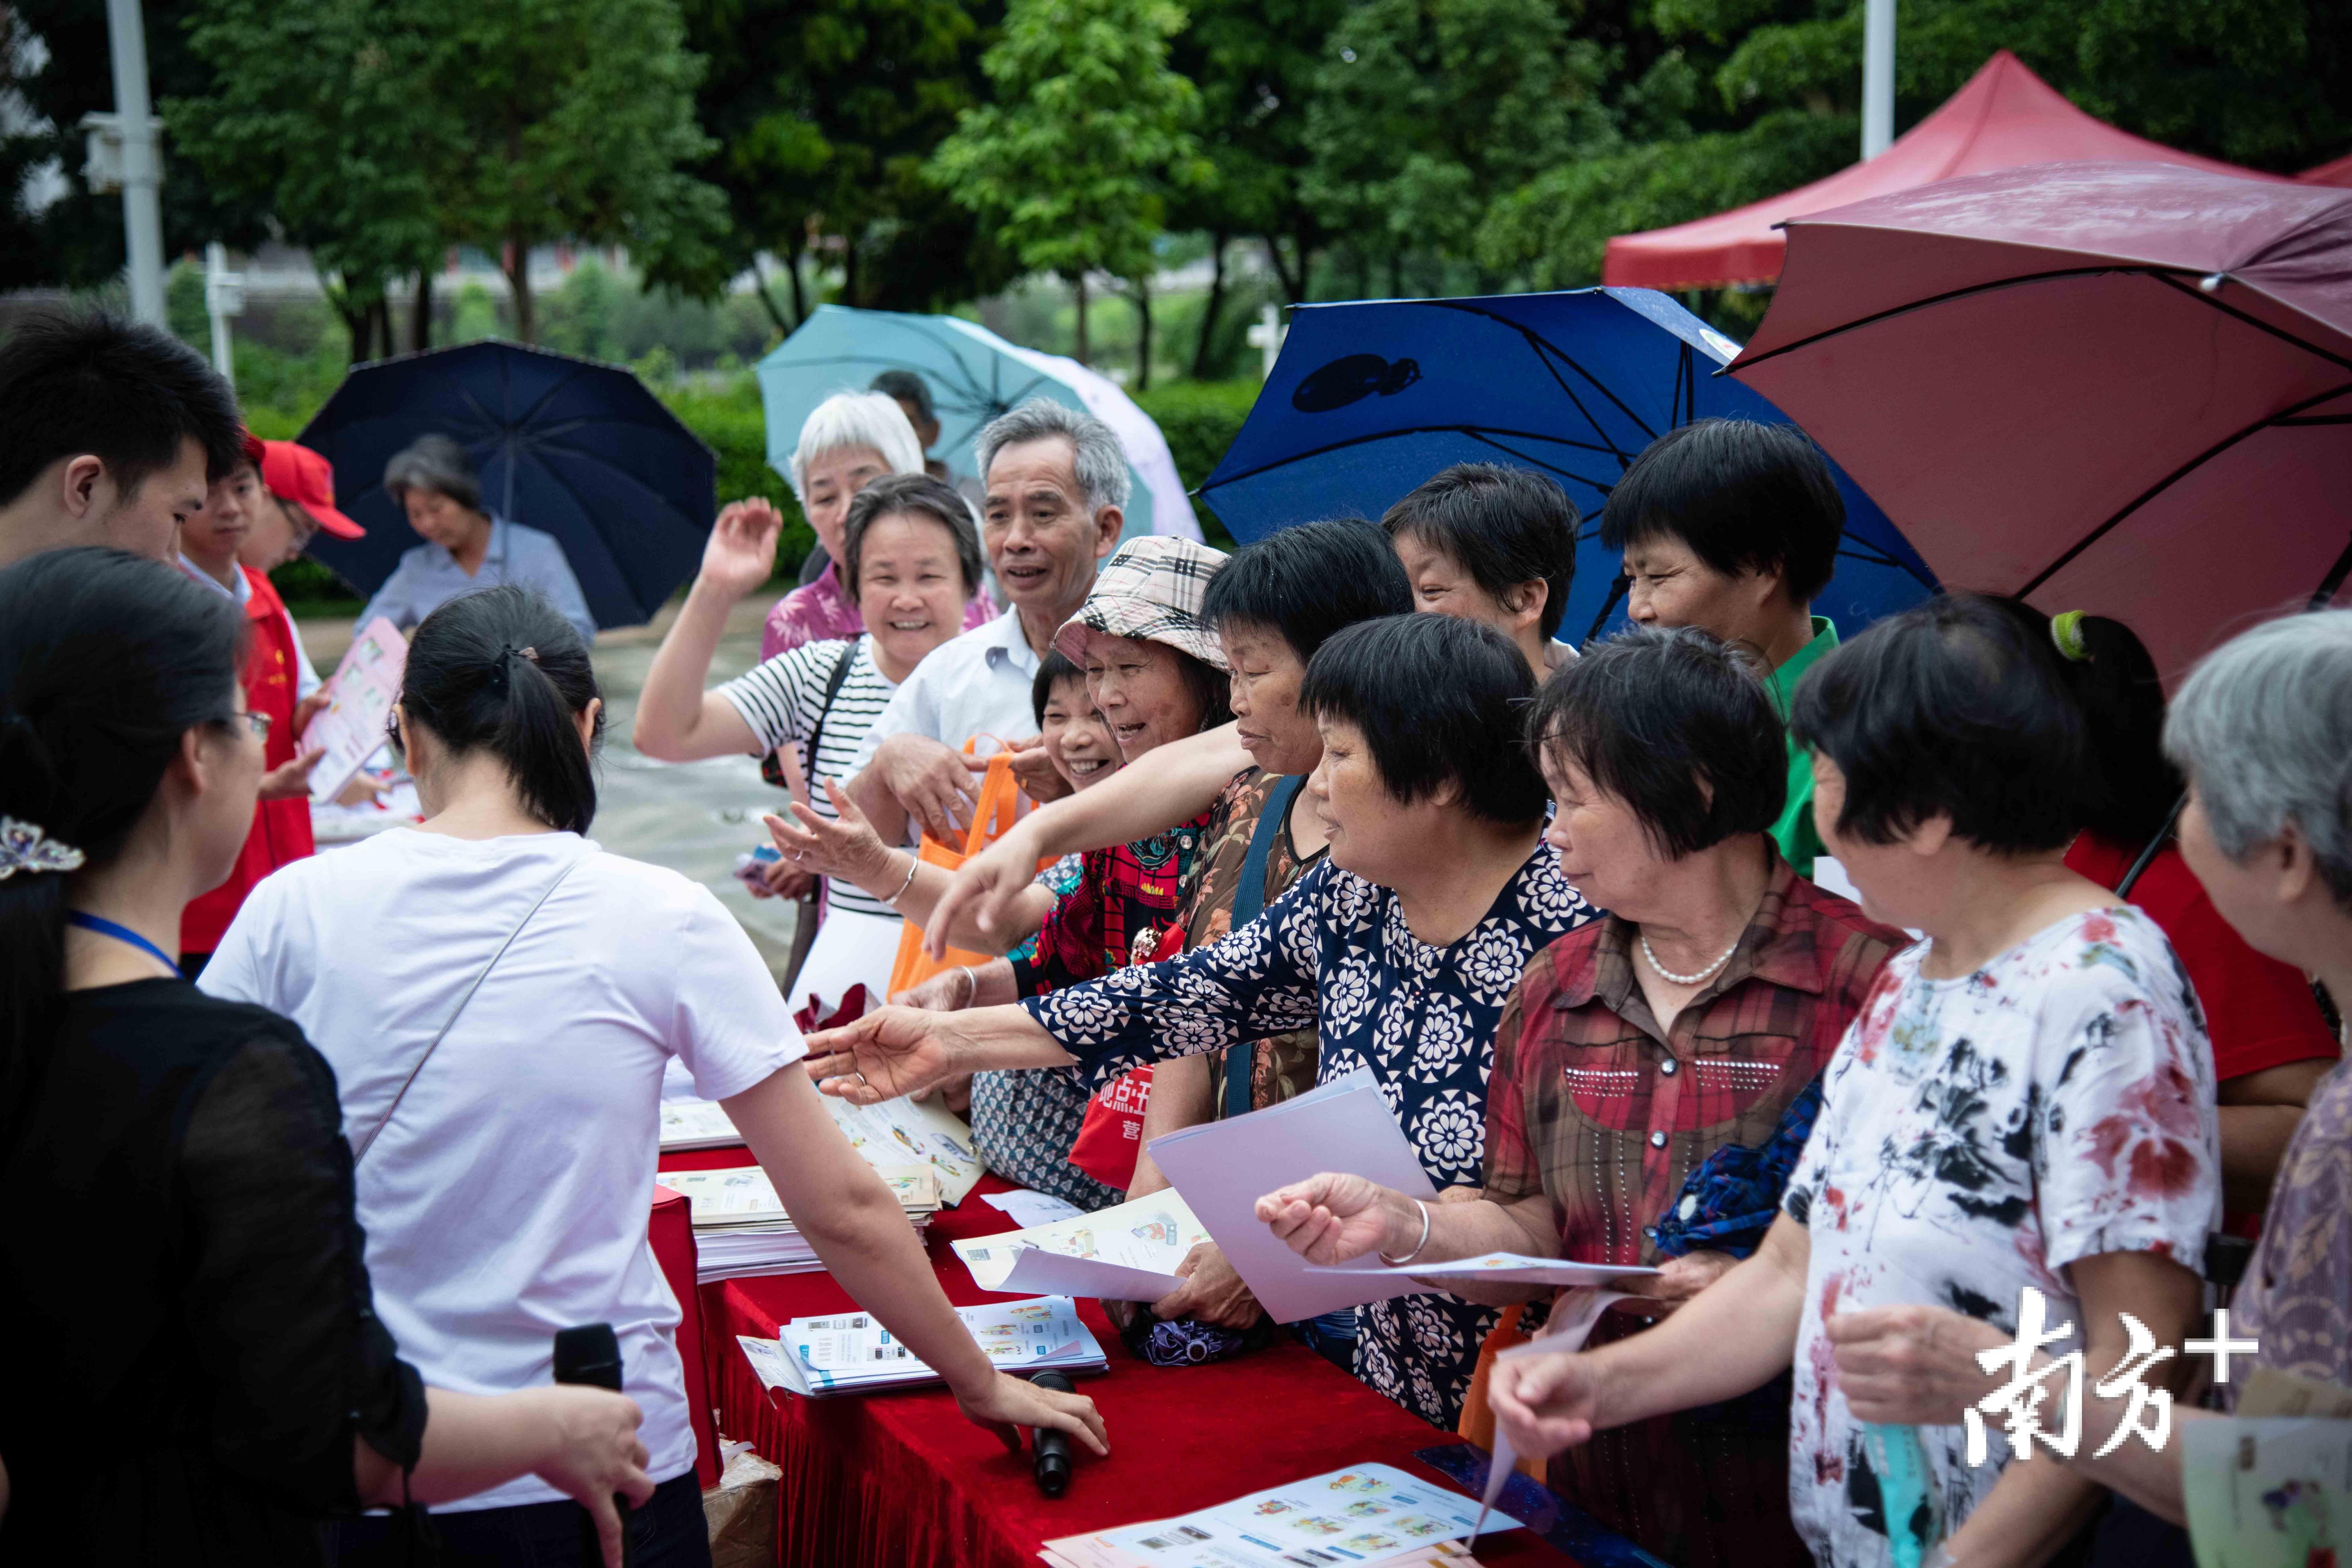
(849, 1352)
(745, 1197)
(360, 698)
(1372, 1513)
(894, 1132)
(1222, 1168)
(2267, 1493)
(1125, 1253)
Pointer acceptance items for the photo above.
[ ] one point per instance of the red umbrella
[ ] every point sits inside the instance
(2117, 387)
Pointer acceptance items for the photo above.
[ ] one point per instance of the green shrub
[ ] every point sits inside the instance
(1201, 419)
(728, 416)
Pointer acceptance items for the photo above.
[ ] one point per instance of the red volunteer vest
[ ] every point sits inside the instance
(281, 828)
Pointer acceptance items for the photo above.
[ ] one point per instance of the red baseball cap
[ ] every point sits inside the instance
(296, 473)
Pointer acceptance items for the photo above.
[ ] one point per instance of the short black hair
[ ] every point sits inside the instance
(1505, 526)
(2122, 698)
(924, 496)
(1308, 581)
(1745, 497)
(1677, 725)
(498, 669)
(1961, 706)
(1438, 699)
(127, 393)
(1052, 670)
(905, 386)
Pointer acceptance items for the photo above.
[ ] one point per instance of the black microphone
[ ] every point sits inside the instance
(591, 1355)
(1053, 1444)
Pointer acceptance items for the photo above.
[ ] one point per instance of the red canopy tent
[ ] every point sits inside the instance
(2005, 116)
(2339, 172)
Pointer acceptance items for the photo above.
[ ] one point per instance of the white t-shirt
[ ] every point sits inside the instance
(508, 1195)
(781, 700)
(1976, 1136)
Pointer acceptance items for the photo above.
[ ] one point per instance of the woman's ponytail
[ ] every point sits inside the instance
(106, 660)
(499, 669)
(2114, 682)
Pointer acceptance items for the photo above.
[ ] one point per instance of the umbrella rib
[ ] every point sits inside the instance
(2232, 310)
(1474, 431)
(2159, 273)
(1538, 462)
(1545, 345)
(2174, 477)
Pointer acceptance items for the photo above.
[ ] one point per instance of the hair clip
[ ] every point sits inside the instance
(24, 848)
(2066, 631)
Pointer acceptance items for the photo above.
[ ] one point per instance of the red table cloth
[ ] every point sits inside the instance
(883, 1479)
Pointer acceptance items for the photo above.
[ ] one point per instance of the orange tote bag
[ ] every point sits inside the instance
(992, 818)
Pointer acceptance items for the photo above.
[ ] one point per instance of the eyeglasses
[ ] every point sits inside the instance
(258, 722)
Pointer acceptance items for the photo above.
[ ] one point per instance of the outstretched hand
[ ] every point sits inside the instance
(989, 885)
(846, 847)
(1330, 1217)
(1546, 1403)
(889, 1052)
(1005, 1404)
(289, 779)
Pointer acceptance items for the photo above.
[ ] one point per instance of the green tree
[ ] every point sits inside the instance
(823, 113)
(570, 119)
(340, 153)
(1090, 131)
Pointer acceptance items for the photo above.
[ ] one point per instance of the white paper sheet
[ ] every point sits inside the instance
(360, 698)
(1128, 1252)
(1507, 1268)
(1222, 1168)
(1572, 1318)
(1028, 1208)
(1373, 1513)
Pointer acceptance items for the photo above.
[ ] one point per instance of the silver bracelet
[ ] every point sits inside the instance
(972, 985)
(914, 864)
(1401, 1262)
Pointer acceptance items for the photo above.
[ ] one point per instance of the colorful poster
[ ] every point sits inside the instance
(360, 698)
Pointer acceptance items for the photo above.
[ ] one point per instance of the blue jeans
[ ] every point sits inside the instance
(667, 1532)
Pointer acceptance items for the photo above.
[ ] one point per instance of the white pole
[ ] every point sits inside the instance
(223, 298)
(1877, 78)
(142, 221)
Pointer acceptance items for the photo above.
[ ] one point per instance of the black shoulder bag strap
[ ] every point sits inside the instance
(1249, 902)
(773, 774)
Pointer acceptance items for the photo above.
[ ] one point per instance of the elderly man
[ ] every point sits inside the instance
(114, 433)
(1057, 486)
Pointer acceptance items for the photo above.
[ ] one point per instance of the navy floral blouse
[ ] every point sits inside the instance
(1334, 954)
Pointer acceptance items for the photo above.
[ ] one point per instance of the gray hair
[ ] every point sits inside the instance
(2263, 730)
(920, 496)
(857, 419)
(1101, 461)
(435, 463)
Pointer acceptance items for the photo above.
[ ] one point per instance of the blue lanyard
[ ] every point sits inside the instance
(105, 927)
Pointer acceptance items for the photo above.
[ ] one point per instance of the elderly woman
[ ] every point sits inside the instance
(1719, 968)
(909, 546)
(2265, 733)
(2025, 1103)
(1399, 947)
(1494, 543)
(465, 547)
(848, 442)
(1733, 527)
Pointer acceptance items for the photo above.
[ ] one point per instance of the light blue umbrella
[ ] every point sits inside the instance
(974, 375)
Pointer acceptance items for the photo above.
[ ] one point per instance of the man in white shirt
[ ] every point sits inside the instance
(1057, 487)
(114, 433)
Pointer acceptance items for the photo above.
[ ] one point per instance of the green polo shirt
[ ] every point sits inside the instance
(1794, 832)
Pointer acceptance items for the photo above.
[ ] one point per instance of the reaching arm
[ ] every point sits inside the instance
(1734, 1337)
(1335, 1218)
(1182, 1095)
(860, 1232)
(850, 849)
(893, 1051)
(2259, 1114)
(1183, 779)
(678, 721)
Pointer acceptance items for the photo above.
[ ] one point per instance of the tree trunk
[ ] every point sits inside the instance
(358, 325)
(767, 301)
(379, 329)
(1216, 303)
(420, 319)
(1143, 334)
(1396, 274)
(1291, 288)
(800, 299)
(526, 323)
(849, 272)
(1081, 355)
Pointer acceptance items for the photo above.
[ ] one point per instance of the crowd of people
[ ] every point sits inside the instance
(2066, 1036)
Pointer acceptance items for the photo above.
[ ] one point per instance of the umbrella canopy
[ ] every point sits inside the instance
(974, 375)
(2339, 173)
(2117, 387)
(570, 446)
(1371, 399)
(2004, 117)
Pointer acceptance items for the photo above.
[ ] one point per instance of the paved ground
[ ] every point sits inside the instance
(694, 817)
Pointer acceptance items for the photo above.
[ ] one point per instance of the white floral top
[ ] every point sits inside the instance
(1977, 1136)
(1334, 954)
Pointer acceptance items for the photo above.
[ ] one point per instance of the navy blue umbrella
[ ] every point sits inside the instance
(1370, 398)
(570, 446)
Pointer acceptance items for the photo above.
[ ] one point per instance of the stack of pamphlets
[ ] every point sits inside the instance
(1368, 1514)
(849, 1352)
(894, 1132)
(741, 1228)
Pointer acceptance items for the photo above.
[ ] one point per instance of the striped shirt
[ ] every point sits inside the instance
(782, 698)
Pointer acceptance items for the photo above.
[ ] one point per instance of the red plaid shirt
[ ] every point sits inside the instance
(1595, 1107)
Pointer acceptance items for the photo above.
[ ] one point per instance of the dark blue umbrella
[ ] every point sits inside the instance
(1369, 399)
(570, 446)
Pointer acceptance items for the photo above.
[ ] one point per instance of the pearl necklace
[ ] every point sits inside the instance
(1722, 959)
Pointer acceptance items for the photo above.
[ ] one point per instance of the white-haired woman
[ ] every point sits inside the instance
(2263, 730)
(848, 442)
